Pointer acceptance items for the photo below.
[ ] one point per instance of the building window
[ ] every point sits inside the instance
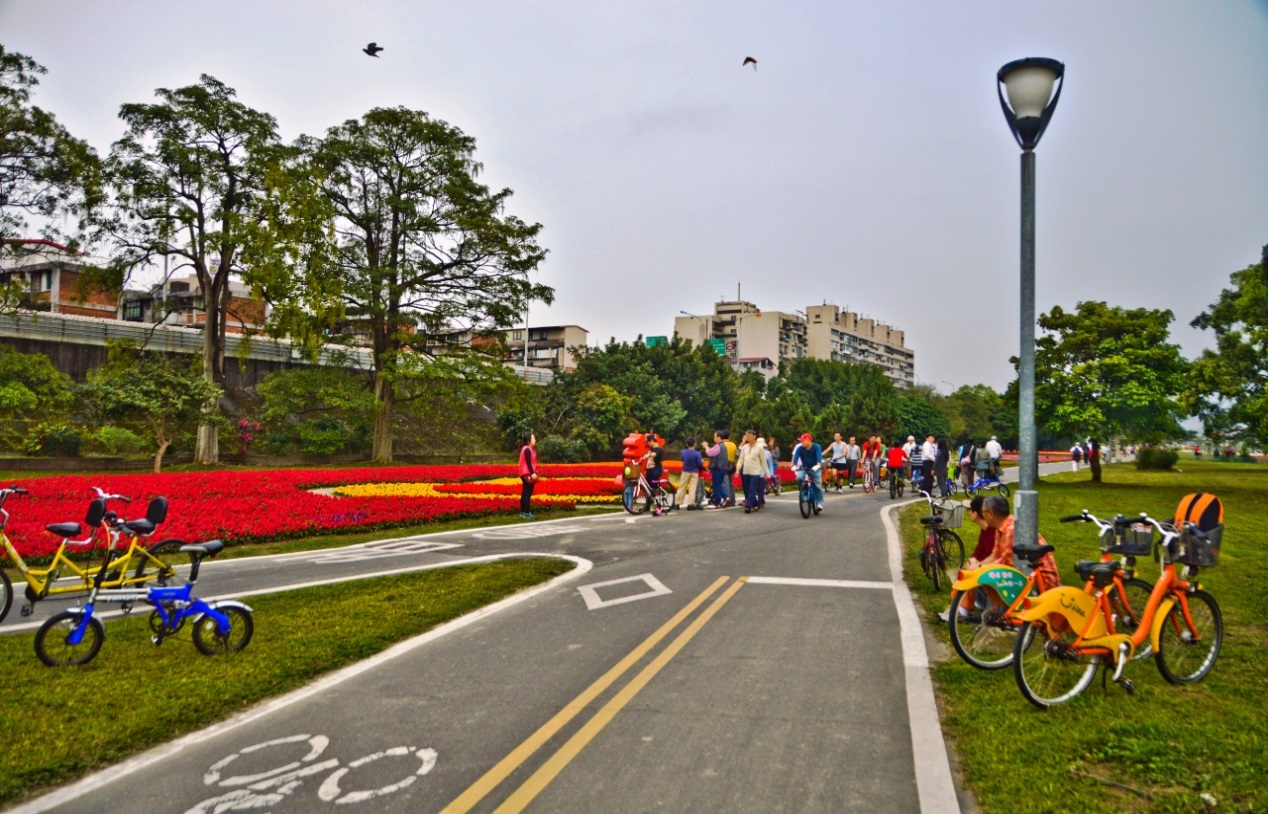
(517, 334)
(132, 311)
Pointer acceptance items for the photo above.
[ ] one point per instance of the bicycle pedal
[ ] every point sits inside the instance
(1127, 684)
(27, 610)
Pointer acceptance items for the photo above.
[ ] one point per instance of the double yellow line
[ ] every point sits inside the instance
(534, 785)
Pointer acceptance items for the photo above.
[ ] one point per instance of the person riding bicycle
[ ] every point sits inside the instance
(994, 451)
(872, 453)
(896, 460)
(806, 456)
(655, 460)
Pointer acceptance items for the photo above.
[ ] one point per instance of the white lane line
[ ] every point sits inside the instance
(934, 784)
(94, 782)
(819, 583)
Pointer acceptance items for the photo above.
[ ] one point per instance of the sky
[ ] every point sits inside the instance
(865, 162)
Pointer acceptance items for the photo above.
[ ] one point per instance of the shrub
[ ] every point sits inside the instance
(323, 437)
(54, 439)
(557, 450)
(1156, 458)
(115, 441)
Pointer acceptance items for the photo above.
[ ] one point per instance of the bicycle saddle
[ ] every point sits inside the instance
(1031, 553)
(932, 520)
(1102, 573)
(208, 549)
(66, 530)
(138, 527)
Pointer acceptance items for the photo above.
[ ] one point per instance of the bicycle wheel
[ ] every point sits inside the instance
(6, 594)
(951, 487)
(639, 501)
(935, 570)
(986, 643)
(53, 649)
(1003, 489)
(1048, 670)
(207, 636)
(893, 489)
(1127, 609)
(161, 563)
(804, 503)
(1186, 654)
(868, 484)
(950, 549)
(901, 486)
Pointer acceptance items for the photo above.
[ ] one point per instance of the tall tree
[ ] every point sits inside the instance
(187, 179)
(1110, 372)
(420, 247)
(1229, 385)
(44, 170)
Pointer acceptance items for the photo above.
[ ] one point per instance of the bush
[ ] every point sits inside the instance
(1156, 458)
(323, 437)
(116, 441)
(557, 450)
(273, 443)
(54, 439)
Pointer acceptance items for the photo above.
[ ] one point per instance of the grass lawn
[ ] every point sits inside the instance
(1107, 751)
(60, 724)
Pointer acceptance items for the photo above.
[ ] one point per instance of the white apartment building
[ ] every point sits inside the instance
(755, 339)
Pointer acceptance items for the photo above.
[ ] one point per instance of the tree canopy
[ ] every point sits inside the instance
(1228, 388)
(1110, 372)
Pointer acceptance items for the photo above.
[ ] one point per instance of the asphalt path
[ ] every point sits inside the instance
(701, 661)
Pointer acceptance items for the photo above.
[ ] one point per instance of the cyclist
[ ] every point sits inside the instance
(896, 460)
(655, 459)
(836, 455)
(872, 455)
(806, 456)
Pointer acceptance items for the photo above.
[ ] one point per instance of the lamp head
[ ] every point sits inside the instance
(1029, 84)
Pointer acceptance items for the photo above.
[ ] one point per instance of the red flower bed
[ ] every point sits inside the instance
(262, 505)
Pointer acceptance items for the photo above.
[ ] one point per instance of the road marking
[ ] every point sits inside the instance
(533, 786)
(97, 781)
(481, 788)
(934, 784)
(590, 593)
(527, 531)
(375, 551)
(820, 583)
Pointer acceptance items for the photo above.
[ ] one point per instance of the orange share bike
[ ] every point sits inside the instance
(1068, 633)
(998, 593)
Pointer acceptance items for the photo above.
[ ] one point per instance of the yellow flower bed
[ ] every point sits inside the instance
(430, 490)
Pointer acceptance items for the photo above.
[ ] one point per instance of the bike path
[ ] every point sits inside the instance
(672, 684)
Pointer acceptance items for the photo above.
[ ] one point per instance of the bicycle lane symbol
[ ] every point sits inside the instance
(268, 788)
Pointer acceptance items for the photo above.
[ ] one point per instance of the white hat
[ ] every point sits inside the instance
(911, 438)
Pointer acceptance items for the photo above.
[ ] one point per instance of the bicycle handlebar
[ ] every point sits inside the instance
(102, 494)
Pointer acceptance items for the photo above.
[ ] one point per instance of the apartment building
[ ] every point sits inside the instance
(552, 346)
(755, 339)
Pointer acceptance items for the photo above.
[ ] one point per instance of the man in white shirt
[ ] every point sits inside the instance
(929, 456)
(907, 448)
(852, 455)
(994, 450)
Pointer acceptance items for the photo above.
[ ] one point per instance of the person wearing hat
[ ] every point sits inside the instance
(994, 450)
(907, 449)
(807, 460)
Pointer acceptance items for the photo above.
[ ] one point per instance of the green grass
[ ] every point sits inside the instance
(1107, 751)
(60, 724)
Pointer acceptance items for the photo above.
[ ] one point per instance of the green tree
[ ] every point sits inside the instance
(419, 247)
(977, 412)
(920, 417)
(31, 391)
(1228, 388)
(154, 393)
(1109, 372)
(862, 400)
(44, 170)
(316, 402)
(186, 182)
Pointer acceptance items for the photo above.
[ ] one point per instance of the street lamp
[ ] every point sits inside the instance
(1033, 86)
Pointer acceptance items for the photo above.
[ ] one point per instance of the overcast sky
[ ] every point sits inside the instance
(865, 162)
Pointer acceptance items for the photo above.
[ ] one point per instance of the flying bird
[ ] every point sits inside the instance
(749, 61)
(373, 50)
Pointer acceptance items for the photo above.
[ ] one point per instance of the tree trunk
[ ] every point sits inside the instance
(382, 452)
(158, 456)
(207, 447)
(1094, 461)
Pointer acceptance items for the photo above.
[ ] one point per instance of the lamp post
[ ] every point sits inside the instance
(1033, 86)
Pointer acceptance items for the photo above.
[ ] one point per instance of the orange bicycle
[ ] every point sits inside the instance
(1068, 633)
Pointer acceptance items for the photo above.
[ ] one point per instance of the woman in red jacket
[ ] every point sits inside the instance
(528, 474)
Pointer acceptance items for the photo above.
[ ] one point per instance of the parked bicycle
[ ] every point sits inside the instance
(75, 636)
(136, 566)
(985, 638)
(1067, 634)
(943, 549)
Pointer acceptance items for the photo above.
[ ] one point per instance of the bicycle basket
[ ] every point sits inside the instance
(1137, 541)
(951, 512)
(1190, 549)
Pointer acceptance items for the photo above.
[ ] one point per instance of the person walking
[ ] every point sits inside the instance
(852, 456)
(772, 460)
(753, 469)
(692, 463)
(928, 459)
(528, 474)
(941, 462)
(740, 452)
(717, 471)
(836, 462)
(732, 454)
(916, 468)
(1076, 456)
